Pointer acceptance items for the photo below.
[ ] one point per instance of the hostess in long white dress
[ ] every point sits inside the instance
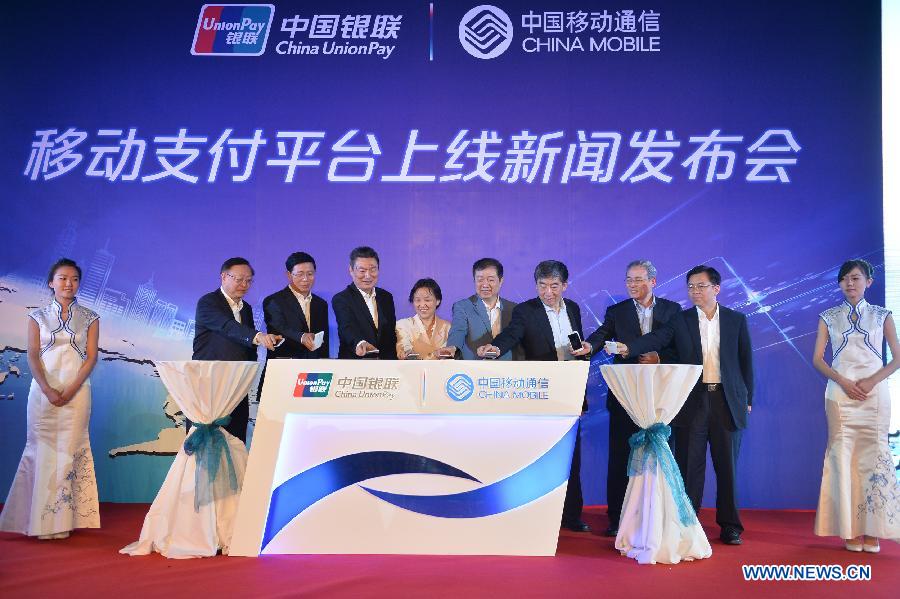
(55, 490)
(860, 494)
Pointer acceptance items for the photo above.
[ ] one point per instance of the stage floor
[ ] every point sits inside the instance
(587, 565)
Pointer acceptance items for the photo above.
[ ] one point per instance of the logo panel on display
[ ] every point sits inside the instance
(460, 387)
(533, 481)
(485, 32)
(313, 384)
(232, 29)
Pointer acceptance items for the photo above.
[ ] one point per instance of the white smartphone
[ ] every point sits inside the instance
(611, 347)
(575, 340)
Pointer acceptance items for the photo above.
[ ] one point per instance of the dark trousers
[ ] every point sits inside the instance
(621, 427)
(574, 502)
(239, 419)
(714, 425)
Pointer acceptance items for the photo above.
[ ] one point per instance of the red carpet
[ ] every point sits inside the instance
(88, 565)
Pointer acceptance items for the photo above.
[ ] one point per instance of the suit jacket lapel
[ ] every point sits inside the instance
(632, 320)
(293, 312)
(724, 331)
(574, 316)
(481, 311)
(247, 316)
(693, 325)
(544, 324)
(361, 306)
(379, 305)
(314, 315)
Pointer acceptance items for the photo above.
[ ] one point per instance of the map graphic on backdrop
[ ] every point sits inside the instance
(591, 134)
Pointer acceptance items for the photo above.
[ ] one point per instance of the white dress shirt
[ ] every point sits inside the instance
(369, 298)
(236, 308)
(559, 323)
(709, 339)
(494, 316)
(645, 315)
(304, 301)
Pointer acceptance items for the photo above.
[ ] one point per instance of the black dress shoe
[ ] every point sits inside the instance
(612, 530)
(576, 526)
(730, 537)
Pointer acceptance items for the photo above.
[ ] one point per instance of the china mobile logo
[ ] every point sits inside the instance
(460, 387)
(312, 384)
(232, 29)
(485, 31)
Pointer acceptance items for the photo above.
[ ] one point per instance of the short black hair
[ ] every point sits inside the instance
(863, 265)
(430, 284)
(236, 261)
(487, 263)
(60, 264)
(298, 258)
(550, 269)
(714, 277)
(363, 251)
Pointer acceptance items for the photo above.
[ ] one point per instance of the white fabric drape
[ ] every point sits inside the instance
(205, 391)
(650, 530)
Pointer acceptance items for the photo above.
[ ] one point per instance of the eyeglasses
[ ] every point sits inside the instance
(364, 271)
(240, 280)
(630, 281)
(303, 275)
(700, 286)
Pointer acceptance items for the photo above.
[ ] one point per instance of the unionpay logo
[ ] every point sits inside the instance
(460, 387)
(232, 29)
(313, 384)
(485, 31)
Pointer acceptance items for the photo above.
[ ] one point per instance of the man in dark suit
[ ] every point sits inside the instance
(625, 321)
(715, 412)
(541, 326)
(296, 313)
(480, 317)
(224, 330)
(365, 313)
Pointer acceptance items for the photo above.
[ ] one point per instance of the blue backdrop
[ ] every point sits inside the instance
(151, 141)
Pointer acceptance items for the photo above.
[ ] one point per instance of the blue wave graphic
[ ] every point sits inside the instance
(532, 482)
(537, 479)
(299, 492)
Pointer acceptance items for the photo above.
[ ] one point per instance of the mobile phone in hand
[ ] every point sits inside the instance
(575, 340)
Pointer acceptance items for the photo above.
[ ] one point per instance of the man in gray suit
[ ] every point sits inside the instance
(481, 317)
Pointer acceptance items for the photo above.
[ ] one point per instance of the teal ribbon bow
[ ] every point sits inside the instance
(211, 449)
(649, 447)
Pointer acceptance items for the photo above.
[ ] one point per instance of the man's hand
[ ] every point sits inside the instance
(484, 349)
(649, 358)
(308, 340)
(268, 340)
(621, 350)
(364, 347)
(584, 351)
(446, 352)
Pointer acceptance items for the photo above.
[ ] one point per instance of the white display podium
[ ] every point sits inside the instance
(410, 457)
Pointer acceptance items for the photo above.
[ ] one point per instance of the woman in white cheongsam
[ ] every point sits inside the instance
(860, 497)
(54, 490)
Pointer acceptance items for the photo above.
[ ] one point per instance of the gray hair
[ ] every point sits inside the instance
(646, 264)
(551, 269)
